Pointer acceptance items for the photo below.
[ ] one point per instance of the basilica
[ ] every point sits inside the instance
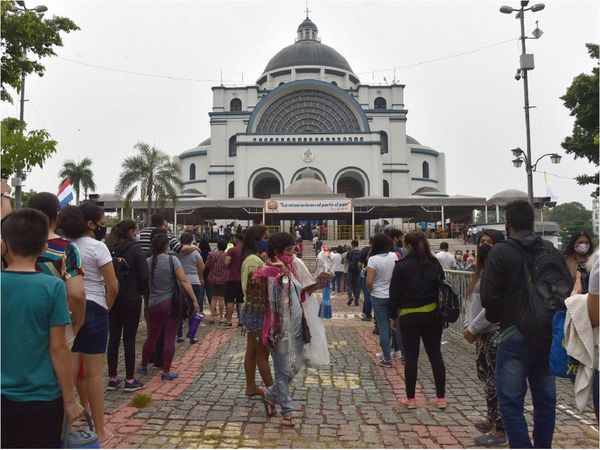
(309, 109)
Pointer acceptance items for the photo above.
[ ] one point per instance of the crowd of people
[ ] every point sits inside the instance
(79, 293)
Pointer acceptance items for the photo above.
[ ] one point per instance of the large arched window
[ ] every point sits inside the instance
(380, 103)
(384, 142)
(235, 105)
(425, 169)
(232, 149)
(192, 171)
(386, 188)
(231, 189)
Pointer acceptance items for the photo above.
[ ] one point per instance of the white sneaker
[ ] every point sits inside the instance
(379, 355)
(398, 354)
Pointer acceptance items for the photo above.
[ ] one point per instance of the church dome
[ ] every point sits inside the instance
(308, 184)
(307, 51)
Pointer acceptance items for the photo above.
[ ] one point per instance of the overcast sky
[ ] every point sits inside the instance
(468, 106)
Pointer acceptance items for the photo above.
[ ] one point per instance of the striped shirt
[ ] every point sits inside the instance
(218, 271)
(60, 260)
(146, 242)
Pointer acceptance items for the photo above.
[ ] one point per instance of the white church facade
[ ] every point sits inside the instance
(309, 108)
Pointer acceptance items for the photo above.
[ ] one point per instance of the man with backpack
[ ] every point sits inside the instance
(353, 260)
(524, 283)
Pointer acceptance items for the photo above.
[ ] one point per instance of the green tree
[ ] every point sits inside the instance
(571, 217)
(21, 150)
(151, 173)
(582, 99)
(27, 33)
(81, 176)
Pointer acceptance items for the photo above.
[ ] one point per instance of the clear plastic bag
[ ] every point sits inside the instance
(316, 353)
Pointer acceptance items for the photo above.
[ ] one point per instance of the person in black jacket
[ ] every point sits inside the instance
(414, 294)
(518, 359)
(124, 317)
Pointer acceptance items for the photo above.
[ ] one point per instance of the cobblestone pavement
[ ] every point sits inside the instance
(353, 403)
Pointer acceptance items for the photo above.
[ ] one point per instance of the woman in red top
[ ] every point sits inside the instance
(217, 278)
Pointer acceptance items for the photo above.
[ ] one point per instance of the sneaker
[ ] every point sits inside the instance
(366, 319)
(441, 402)
(135, 385)
(398, 354)
(113, 384)
(487, 440)
(384, 363)
(379, 355)
(410, 403)
(142, 370)
(194, 341)
(350, 301)
(180, 340)
(483, 426)
(225, 325)
(169, 376)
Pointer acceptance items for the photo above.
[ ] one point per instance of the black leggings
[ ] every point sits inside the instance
(428, 327)
(32, 424)
(124, 317)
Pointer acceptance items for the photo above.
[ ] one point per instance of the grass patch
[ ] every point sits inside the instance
(141, 400)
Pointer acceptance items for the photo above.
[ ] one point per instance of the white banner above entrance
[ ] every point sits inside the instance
(312, 206)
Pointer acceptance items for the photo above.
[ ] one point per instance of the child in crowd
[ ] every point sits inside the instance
(37, 384)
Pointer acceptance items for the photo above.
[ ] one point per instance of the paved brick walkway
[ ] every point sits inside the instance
(351, 404)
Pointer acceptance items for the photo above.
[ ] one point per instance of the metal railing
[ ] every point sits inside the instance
(460, 281)
(273, 228)
(345, 232)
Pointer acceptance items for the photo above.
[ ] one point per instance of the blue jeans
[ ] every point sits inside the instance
(367, 308)
(516, 364)
(354, 286)
(382, 314)
(338, 281)
(285, 370)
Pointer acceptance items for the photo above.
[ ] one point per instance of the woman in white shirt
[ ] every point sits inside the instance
(379, 274)
(338, 268)
(86, 226)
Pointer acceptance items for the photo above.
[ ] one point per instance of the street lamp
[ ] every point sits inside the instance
(525, 64)
(17, 181)
(522, 158)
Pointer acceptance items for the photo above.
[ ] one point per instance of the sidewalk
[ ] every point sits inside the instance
(351, 404)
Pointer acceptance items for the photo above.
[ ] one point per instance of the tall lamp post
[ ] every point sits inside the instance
(17, 181)
(526, 64)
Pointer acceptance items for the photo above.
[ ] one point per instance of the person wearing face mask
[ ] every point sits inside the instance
(576, 254)
(125, 315)
(484, 334)
(86, 226)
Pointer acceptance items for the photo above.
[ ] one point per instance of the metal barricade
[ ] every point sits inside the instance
(459, 280)
(273, 228)
(344, 232)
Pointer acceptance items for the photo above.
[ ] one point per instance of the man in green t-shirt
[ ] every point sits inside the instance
(37, 384)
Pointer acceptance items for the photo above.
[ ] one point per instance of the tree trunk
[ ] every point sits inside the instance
(149, 207)
(76, 187)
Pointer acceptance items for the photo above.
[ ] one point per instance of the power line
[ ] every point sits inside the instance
(204, 80)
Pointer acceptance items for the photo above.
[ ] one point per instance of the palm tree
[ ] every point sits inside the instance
(81, 176)
(152, 173)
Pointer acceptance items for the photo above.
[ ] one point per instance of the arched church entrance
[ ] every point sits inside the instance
(351, 184)
(265, 185)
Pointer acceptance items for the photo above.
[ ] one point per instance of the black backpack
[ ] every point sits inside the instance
(448, 303)
(549, 283)
(353, 260)
(121, 266)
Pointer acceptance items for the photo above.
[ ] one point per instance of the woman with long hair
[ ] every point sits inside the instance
(485, 335)
(379, 275)
(578, 251)
(125, 314)
(283, 313)
(414, 294)
(161, 266)
(253, 311)
(86, 227)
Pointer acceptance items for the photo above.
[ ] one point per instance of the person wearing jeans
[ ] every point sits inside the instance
(517, 363)
(367, 306)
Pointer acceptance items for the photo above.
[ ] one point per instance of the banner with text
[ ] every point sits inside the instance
(308, 206)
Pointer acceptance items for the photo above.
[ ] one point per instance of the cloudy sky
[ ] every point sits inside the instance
(457, 60)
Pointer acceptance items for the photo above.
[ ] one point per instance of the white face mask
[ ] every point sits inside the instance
(582, 249)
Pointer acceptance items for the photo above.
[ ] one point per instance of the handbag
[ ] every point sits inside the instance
(305, 330)
(80, 438)
(181, 306)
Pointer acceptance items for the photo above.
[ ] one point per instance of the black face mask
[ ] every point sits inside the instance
(99, 232)
(484, 250)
